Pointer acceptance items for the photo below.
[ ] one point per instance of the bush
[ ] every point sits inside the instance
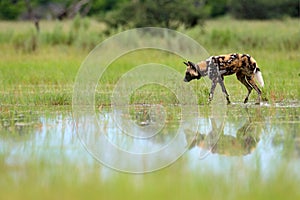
(162, 13)
(263, 9)
(10, 9)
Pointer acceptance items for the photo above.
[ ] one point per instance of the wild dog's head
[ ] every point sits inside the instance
(192, 71)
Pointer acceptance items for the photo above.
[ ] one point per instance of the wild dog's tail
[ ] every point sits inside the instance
(258, 77)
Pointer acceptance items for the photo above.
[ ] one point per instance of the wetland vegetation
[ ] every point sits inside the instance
(41, 156)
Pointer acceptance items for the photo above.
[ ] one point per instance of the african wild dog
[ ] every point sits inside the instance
(216, 67)
(217, 141)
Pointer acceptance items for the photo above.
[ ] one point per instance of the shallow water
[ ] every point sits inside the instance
(263, 138)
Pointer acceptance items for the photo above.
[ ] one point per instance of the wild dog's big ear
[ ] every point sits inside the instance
(186, 63)
(192, 65)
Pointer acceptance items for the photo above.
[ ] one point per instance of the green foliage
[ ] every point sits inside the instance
(11, 9)
(161, 13)
(99, 7)
(137, 13)
(264, 9)
(217, 7)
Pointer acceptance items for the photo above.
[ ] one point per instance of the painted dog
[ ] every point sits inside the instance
(217, 141)
(216, 67)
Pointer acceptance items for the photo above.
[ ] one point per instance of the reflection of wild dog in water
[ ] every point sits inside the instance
(217, 142)
(216, 67)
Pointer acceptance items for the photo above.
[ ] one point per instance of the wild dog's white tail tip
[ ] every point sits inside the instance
(259, 78)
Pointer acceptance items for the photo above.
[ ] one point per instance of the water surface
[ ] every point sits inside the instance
(262, 138)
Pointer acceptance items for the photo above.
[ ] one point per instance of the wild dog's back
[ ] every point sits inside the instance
(232, 63)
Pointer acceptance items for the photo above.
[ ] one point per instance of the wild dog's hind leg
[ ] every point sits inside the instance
(242, 78)
(250, 80)
(221, 82)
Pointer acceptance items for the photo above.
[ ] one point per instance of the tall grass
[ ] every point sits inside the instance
(243, 35)
(80, 32)
(272, 35)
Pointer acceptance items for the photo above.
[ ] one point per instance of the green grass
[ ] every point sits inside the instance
(250, 36)
(41, 78)
(44, 75)
(46, 78)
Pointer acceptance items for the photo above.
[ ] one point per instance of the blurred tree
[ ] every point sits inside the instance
(168, 13)
(264, 9)
(99, 7)
(217, 7)
(29, 9)
(11, 9)
(164, 13)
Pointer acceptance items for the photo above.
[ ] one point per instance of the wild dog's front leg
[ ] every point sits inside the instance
(212, 89)
(221, 82)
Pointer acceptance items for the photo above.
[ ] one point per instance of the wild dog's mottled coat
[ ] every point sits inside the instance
(216, 67)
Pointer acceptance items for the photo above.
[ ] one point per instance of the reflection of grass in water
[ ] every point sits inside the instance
(41, 179)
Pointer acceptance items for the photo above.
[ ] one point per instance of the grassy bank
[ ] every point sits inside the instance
(40, 68)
